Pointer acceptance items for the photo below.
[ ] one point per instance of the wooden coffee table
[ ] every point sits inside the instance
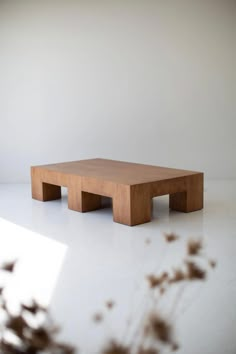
(130, 185)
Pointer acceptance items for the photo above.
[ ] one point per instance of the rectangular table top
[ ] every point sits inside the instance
(117, 171)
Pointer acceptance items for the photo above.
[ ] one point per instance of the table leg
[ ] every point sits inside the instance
(44, 191)
(41, 190)
(192, 198)
(131, 205)
(83, 201)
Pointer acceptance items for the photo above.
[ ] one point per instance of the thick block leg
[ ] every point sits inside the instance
(91, 201)
(83, 201)
(45, 191)
(192, 198)
(41, 190)
(131, 205)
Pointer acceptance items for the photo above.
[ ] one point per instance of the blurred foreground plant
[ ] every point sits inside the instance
(156, 331)
(20, 334)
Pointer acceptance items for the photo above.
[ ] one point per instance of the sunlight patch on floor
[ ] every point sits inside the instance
(39, 262)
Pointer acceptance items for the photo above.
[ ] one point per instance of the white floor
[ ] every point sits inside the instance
(76, 262)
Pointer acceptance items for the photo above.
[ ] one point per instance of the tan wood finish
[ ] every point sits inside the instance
(131, 187)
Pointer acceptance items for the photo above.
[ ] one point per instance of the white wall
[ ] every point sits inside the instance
(144, 81)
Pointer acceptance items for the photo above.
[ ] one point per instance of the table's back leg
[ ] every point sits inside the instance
(192, 198)
(45, 191)
(83, 201)
(41, 190)
(91, 201)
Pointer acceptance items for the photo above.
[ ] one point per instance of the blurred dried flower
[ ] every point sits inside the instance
(97, 317)
(159, 328)
(64, 349)
(32, 340)
(8, 348)
(34, 307)
(116, 348)
(17, 324)
(179, 275)
(110, 304)
(170, 237)
(155, 281)
(40, 339)
(8, 266)
(157, 331)
(194, 247)
(175, 347)
(212, 263)
(194, 271)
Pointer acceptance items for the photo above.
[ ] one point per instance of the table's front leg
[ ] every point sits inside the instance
(192, 198)
(131, 205)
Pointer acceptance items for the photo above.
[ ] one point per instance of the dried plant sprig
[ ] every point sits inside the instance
(178, 276)
(212, 263)
(8, 348)
(98, 317)
(159, 328)
(189, 271)
(8, 266)
(110, 304)
(17, 324)
(194, 247)
(194, 272)
(31, 340)
(33, 308)
(114, 347)
(40, 338)
(158, 331)
(171, 237)
(175, 347)
(155, 281)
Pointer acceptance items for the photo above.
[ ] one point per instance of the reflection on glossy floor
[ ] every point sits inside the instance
(76, 262)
